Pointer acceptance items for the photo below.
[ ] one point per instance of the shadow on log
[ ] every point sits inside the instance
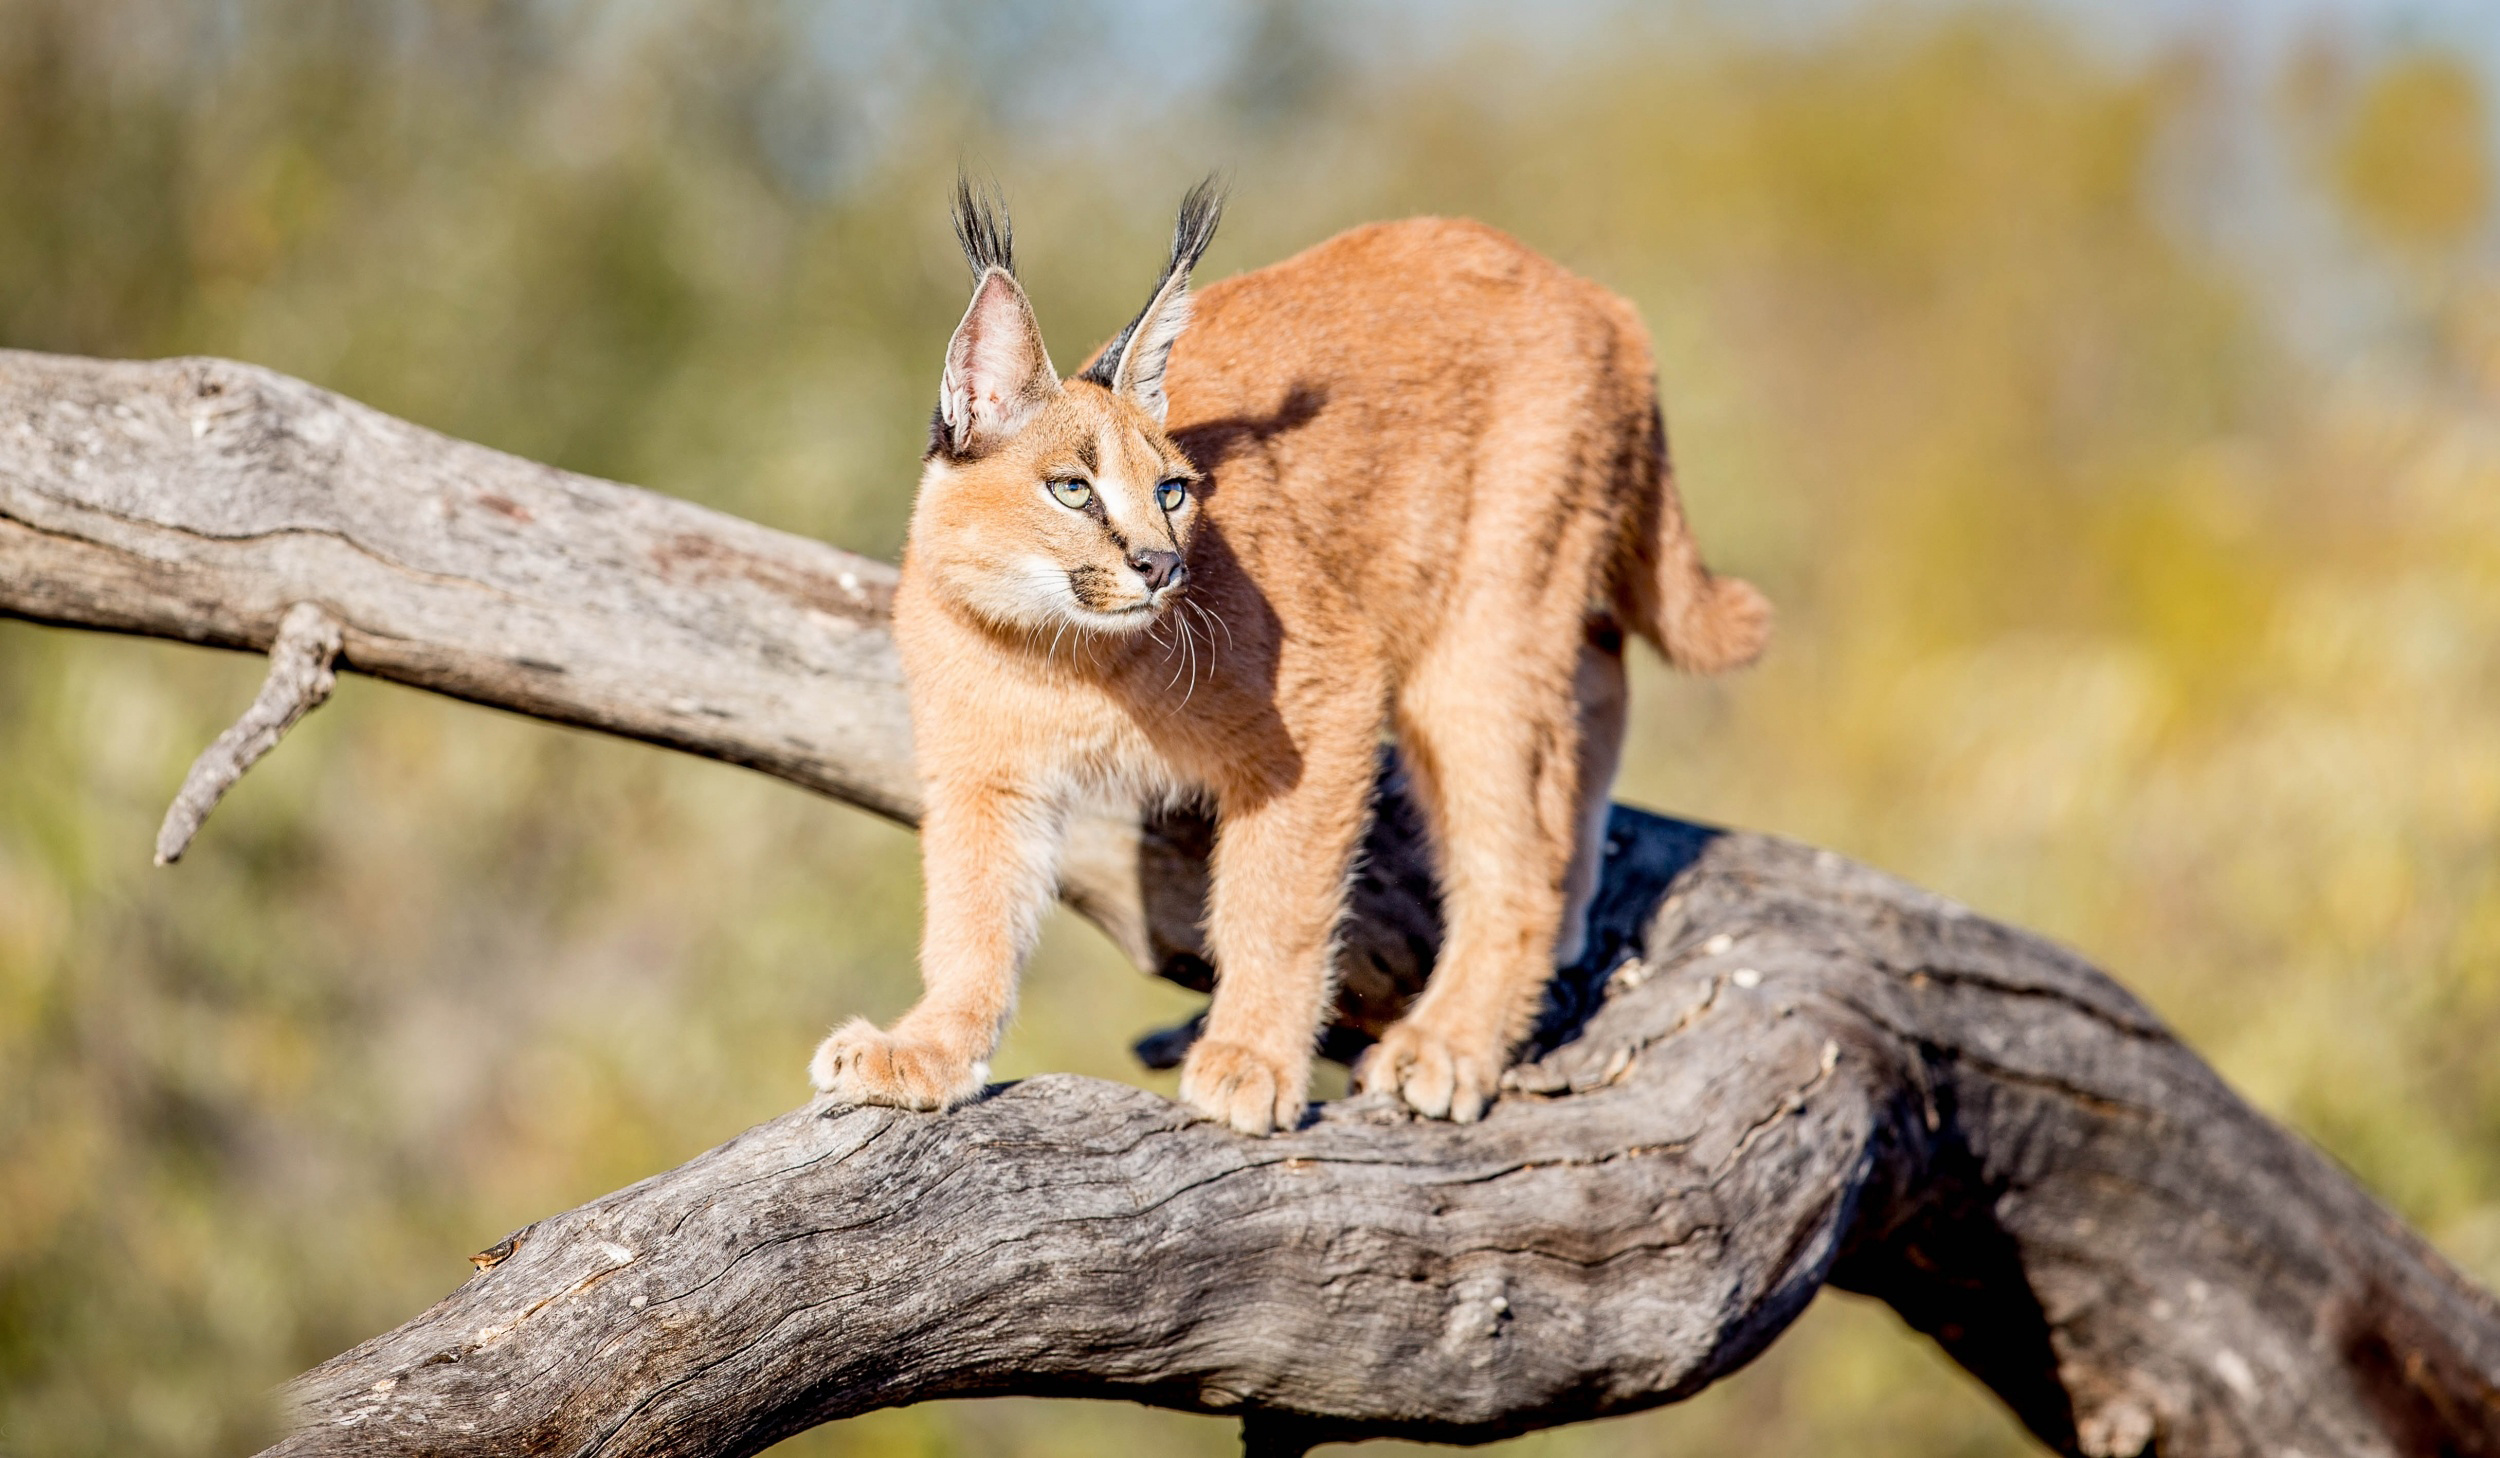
(1777, 1070)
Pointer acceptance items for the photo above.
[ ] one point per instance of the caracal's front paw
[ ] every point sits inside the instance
(1236, 1084)
(863, 1064)
(1439, 1076)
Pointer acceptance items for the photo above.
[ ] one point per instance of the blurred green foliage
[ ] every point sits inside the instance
(2110, 605)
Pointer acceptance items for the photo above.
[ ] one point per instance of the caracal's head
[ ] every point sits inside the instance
(1046, 503)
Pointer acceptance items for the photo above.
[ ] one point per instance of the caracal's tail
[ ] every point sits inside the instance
(1703, 623)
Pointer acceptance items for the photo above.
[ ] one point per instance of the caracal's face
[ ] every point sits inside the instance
(1082, 519)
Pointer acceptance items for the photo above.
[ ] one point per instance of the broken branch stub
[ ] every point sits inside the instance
(300, 679)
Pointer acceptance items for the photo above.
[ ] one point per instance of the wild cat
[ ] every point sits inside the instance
(1411, 482)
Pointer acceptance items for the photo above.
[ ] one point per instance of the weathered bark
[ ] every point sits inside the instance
(1775, 1071)
(1805, 1073)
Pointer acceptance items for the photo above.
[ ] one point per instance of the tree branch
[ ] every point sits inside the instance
(1775, 1071)
(1809, 1074)
(300, 680)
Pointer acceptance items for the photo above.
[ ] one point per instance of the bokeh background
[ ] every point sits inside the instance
(2109, 393)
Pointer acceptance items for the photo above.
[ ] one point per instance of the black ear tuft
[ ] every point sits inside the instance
(1192, 231)
(983, 228)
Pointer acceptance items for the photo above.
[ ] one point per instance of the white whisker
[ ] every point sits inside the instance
(1177, 653)
(1217, 618)
(1189, 641)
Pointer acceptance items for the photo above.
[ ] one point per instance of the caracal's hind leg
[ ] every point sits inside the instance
(1491, 734)
(1605, 701)
(1277, 891)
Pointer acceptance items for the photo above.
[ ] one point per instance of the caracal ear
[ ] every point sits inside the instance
(997, 372)
(1132, 364)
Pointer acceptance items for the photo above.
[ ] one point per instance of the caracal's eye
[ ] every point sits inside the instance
(1071, 494)
(1171, 496)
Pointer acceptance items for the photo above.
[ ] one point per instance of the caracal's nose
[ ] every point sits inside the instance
(1159, 570)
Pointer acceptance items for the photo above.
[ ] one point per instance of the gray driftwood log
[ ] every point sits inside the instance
(1775, 1071)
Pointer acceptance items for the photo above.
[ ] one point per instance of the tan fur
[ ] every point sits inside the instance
(1427, 483)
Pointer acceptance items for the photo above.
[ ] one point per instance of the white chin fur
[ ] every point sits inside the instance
(1035, 597)
(1134, 620)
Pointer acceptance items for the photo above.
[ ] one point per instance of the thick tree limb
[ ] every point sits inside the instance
(201, 499)
(1809, 1074)
(1776, 1071)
